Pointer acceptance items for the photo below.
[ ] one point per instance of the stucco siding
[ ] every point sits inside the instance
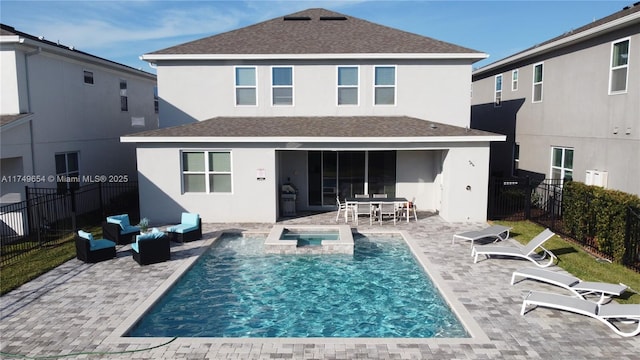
(433, 90)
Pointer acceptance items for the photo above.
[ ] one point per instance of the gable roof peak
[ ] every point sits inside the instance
(315, 31)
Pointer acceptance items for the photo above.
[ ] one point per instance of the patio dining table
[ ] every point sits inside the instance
(352, 201)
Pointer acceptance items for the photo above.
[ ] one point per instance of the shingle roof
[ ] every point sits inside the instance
(8, 119)
(315, 31)
(626, 11)
(330, 126)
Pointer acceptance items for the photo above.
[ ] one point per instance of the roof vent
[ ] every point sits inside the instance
(333, 18)
(297, 18)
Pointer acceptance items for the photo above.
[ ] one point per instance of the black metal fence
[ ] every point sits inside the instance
(517, 199)
(48, 215)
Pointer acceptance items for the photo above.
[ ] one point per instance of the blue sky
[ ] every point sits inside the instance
(121, 31)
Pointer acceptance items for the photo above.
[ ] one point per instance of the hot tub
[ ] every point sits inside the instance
(309, 239)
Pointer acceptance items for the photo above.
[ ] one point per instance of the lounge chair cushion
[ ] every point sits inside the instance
(182, 228)
(122, 220)
(85, 235)
(102, 244)
(189, 218)
(154, 234)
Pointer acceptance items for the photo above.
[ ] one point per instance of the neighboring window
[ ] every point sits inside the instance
(282, 85)
(348, 85)
(124, 102)
(497, 97)
(619, 66)
(561, 163)
(537, 82)
(516, 158)
(514, 80)
(88, 77)
(156, 101)
(385, 85)
(67, 171)
(246, 86)
(206, 171)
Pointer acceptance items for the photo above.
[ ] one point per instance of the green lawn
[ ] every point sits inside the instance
(578, 262)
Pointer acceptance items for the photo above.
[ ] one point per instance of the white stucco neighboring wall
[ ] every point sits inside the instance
(435, 90)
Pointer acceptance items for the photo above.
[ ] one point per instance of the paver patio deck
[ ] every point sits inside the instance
(80, 309)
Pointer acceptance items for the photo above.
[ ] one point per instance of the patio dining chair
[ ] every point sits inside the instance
(342, 206)
(388, 209)
(364, 208)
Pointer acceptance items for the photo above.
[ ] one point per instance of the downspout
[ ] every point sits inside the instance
(27, 81)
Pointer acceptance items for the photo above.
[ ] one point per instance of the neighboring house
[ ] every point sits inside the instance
(570, 107)
(63, 112)
(332, 104)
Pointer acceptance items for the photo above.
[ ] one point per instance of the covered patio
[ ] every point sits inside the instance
(79, 308)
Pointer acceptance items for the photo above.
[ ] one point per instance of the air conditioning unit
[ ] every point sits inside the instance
(597, 178)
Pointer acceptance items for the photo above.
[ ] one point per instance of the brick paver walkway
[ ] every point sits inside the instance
(82, 309)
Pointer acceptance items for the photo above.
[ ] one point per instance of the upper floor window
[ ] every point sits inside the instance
(619, 66)
(88, 77)
(206, 171)
(348, 80)
(385, 85)
(246, 86)
(497, 97)
(514, 80)
(537, 82)
(124, 102)
(67, 171)
(282, 85)
(561, 163)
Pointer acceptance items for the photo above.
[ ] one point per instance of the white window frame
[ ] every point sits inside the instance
(619, 67)
(86, 72)
(541, 83)
(357, 86)
(282, 86)
(236, 87)
(515, 74)
(394, 86)
(207, 172)
(497, 94)
(563, 169)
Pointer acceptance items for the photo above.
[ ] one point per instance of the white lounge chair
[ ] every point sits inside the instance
(609, 314)
(578, 287)
(496, 232)
(528, 252)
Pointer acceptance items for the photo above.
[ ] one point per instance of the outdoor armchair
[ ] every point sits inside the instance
(189, 229)
(119, 229)
(152, 247)
(92, 250)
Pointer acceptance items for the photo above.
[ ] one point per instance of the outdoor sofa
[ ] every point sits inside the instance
(92, 250)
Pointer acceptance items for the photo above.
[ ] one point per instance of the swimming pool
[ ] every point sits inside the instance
(235, 290)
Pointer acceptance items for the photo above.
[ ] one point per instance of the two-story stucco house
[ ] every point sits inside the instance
(332, 104)
(63, 112)
(570, 106)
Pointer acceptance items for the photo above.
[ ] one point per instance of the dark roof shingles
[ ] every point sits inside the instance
(315, 36)
(330, 126)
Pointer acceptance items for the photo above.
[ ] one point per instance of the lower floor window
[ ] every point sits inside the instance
(561, 163)
(206, 171)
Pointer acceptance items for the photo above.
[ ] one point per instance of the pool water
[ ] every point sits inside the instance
(235, 290)
(309, 239)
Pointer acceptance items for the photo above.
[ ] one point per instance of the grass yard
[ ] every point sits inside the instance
(581, 264)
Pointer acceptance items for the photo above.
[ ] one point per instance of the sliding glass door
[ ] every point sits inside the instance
(346, 173)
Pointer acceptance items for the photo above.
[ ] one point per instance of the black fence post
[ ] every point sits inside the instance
(527, 198)
(72, 193)
(100, 200)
